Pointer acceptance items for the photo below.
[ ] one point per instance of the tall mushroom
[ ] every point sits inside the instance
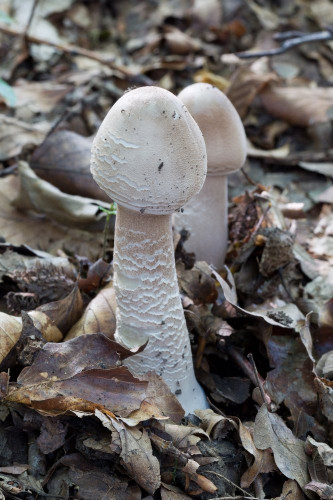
(149, 156)
(206, 215)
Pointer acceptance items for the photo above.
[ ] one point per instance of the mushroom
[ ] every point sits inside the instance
(206, 215)
(150, 157)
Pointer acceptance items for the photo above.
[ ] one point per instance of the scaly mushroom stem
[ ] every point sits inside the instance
(149, 305)
(207, 224)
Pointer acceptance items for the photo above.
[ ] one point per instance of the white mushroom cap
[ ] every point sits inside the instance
(220, 124)
(149, 154)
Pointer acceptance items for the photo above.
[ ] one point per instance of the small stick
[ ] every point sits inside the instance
(32, 13)
(79, 51)
(250, 370)
(248, 495)
(258, 379)
(289, 43)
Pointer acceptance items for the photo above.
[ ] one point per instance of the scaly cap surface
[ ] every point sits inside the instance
(149, 155)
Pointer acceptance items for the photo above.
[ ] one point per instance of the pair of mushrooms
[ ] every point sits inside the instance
(149, 156)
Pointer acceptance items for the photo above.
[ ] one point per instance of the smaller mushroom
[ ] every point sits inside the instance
(206, 215)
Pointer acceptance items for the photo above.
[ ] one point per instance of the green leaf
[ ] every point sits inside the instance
(7, 93)
(109, 211)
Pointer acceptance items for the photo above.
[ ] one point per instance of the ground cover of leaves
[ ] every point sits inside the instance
(74, 422)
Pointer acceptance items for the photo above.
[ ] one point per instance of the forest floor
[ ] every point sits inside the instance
(261, 329)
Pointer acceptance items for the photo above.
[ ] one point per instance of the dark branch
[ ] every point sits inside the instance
(291, 40)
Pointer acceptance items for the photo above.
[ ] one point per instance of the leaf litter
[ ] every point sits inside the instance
(74, 422)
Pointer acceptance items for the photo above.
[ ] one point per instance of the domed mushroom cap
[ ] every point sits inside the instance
(149, 155)
(220, 124)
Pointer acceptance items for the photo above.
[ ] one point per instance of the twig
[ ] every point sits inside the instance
(289, 42)
(248, 495)
(249, 369)
(258, 379)
(79, 51)
(32, 13)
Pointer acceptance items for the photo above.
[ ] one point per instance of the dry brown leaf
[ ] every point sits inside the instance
(203, 482)
(63, 159)
(159, 396)
(170, 492)
(322, 450)
(42, 197)
(245, 84)
(179, 42)
(215, 425)
(14, 469)
(16, 262)
(197, 282)
(38, 97)
(288, 316)
(183, 436)
(324, 367)
(206, 76)
(137, 456)
(82, 370)
(65, 312)
(305, 336)
(300, 106)
(15, 134)
(263, 459)
(270, 431)
(324, 491)
(11, 329)
(29, 229)
(281, 152)
(99, 316)
(290, 490)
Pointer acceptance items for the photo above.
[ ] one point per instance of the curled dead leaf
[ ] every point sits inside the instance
(40, 196)
(99, 316)
(63, 159)
(300, 106)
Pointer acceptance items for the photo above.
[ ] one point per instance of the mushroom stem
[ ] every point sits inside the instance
(206, 222)
(149, 305)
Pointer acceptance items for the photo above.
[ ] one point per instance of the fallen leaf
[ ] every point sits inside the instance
(197, 282)
(324, 491)
(300, 106)
(38, 97)
(292, 379)
(64, 312)
(318, 168)
(63, 159)
(99, 316)
(42, 197)
(137, 456)
(216, 426)
(263, 459)
(322, 450)
(15, 134)
(270, 431)
(11, 330)
(170, 492)
(22, 228)
(324, 367)
(287, 316)
(82, 369)
(290, 490)
(203, 482)
(245, 84)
